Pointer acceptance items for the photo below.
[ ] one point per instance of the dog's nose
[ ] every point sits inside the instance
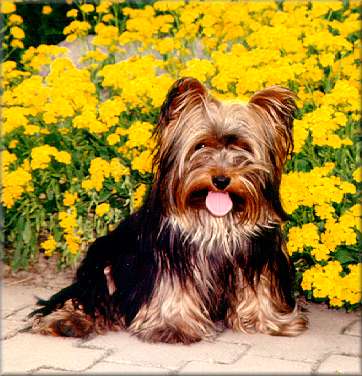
(220, 182)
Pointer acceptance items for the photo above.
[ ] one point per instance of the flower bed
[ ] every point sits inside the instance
(76, 134)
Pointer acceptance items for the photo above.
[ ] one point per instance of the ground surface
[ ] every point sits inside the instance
(330, 346)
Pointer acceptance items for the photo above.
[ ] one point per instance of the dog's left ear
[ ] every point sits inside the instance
(183, 93)
(276, 105)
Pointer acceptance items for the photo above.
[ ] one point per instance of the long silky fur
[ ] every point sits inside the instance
(163, 252)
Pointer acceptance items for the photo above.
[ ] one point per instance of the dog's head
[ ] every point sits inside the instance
(223, 158)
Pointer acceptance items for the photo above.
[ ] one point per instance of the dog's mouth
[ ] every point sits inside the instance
(217, 203)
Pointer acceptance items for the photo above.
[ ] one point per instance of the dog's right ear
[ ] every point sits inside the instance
(185, 92)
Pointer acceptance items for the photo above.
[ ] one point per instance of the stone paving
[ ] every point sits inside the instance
(330, 346)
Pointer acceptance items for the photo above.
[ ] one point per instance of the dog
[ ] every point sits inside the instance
(206, 250)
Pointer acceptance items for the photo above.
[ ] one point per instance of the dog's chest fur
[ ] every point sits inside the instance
(209, 247)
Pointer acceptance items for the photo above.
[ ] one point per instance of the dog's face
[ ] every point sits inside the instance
(224, 158)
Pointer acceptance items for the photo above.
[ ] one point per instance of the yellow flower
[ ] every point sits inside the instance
(15, 19)
(118, 169)
(73, 243)
(313, 188)
(143, 162)
(7, 7)
(67, 219)
(72, 13)
(102, 209)
(49, 246)
(40, 156)
(87, 8)
(15, 183)
(70, 198)
(63, 157)
(298, 237)
(16, 43)
(110, 110)
(17, 33)
(7, 159)
(357, 175)
(77, 28)
(201, 69)
(13, 144)
(88, 120)
(335, 302)
(46, 9)
(138, 196)
(103, 6)
(326, 282)
(107, 17)
(139, 134)
(96, 55)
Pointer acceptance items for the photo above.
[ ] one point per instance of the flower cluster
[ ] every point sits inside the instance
(12, 33)
(78, 126)
(101, 169)
(69, 225)
(328, 282)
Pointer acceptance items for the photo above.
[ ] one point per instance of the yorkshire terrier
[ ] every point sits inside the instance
(207, 246)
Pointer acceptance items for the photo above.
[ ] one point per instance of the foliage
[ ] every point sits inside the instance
(77, 133)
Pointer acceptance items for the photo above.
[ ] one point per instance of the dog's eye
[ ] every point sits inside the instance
(247, 148)
(199, 146)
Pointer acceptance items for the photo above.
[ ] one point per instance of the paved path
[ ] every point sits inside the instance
(330, 346)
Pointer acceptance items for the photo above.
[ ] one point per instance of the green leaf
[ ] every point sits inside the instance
(27, 233)
(344, 256)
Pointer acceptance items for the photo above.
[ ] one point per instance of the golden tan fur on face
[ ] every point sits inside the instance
(248, 143)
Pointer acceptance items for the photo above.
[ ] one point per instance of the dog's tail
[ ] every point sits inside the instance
(56, 301)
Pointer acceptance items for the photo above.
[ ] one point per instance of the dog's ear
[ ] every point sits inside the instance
(184, 92)
(276, 105)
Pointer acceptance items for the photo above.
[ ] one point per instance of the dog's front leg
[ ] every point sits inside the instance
(263, 309)
(175, 313)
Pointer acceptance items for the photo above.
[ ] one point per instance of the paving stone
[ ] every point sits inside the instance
(118, 368)
(341, 365)
(10, 327)
(308, 347)
(21, 314)
(130, 349)
(17, 297)
(249, 364)
(26, 352)
(354, 329)
(323, 320)
(331, 332)
(52, 371)
(323, 336)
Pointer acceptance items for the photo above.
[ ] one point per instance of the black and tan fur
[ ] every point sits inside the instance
(173, 271)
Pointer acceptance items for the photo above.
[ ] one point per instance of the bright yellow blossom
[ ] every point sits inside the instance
(138, 196)
(70, 198)
(49, 246)
(15, 19)
(87, 8)
(7, 7)
(72, 13)
(17, 32)
(357, 175)
(102, 209)
(47, 9)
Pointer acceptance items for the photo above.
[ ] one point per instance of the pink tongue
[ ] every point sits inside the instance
(218, 203)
